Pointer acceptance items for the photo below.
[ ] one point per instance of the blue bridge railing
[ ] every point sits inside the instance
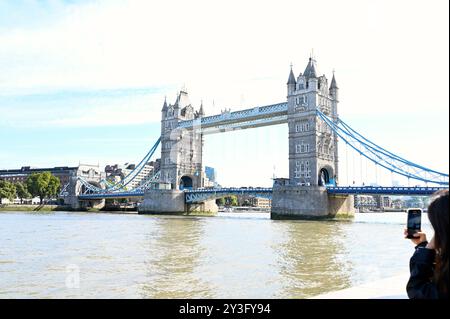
(199, 195)
(375, 190)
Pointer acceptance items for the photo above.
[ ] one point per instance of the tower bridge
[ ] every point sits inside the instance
(313, 186)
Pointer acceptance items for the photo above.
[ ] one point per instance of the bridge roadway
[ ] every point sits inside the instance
(199, 195)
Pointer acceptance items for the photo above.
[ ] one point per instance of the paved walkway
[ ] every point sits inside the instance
(388, 288)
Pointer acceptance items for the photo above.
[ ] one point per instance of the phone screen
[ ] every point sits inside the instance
(414, 220)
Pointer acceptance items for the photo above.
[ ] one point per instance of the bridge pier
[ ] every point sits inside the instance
(73, 202)
(76, 204)
(94, 204)
(309, 202)
(160, 201)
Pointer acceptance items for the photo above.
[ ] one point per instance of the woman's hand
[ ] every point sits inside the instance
(419, 237)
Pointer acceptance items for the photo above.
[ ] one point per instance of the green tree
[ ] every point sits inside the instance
(231, 200)
(7, 190)
(43, 185)
(220, 201)
(234, 200)
(22, 191)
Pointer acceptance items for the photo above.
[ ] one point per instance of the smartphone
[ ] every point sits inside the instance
(414, 221)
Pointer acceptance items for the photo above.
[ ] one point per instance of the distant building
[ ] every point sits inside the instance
(156, 164)
(365, 201)
(251, 201)
(416, 202)
(260, 202)
(208, 184)
(210, 177)
(398, 204)
(382, 201)
(62, 172)
(210, 172)
(117, 173)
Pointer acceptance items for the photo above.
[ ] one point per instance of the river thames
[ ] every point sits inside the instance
(231, 255)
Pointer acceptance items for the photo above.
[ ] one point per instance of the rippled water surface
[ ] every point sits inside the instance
(232, 255)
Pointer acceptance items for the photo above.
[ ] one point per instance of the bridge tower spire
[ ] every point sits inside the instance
(181, 150)
(312, 147)
(291, 83)
(334, 99)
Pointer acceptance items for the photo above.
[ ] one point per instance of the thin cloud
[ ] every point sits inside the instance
(82, 108)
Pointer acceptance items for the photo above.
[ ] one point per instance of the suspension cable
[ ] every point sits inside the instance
(375, 155)
(346, 162)
(360, 169)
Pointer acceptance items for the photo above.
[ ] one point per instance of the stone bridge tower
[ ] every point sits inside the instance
(313, 151)
(313, 154)
(181, 149)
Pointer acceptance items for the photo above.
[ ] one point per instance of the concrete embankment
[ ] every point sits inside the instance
(34, 208)
(388, 288)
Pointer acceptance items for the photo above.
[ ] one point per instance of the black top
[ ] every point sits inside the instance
(420, 284)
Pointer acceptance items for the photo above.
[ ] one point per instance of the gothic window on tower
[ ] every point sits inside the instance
(302, 169)
(302, 147)
(301, 102)
(301, 126)
(300, 85)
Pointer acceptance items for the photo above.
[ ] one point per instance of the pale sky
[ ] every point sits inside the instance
(85, 80)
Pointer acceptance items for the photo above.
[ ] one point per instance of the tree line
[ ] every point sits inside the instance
(43, 185)
(231, 200)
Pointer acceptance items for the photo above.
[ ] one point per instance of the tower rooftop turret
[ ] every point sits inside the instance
(333, 84)
(164, 108)
(291, 79)
(201, 111)
(310, 71)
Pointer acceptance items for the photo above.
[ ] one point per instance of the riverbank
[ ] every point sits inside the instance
(246, 209)
(42, 208)
(368, 211)
(34, 208)
(63, 208)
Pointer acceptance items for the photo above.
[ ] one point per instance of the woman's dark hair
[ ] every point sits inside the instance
(438, 212)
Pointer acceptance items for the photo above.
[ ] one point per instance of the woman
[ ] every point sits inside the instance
(429, 264)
